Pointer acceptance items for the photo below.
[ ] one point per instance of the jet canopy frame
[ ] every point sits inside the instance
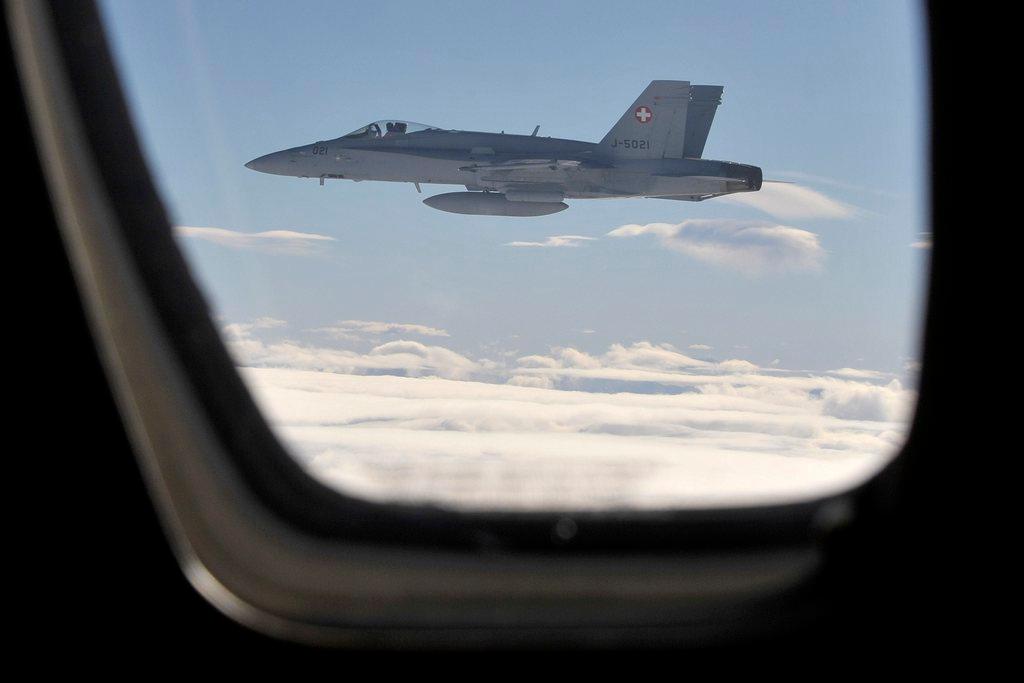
(388, 128)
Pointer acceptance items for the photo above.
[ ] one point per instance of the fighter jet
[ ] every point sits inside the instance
(654, 150)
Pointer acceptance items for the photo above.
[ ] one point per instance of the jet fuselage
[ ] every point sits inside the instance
(654, 150)
(470, 158)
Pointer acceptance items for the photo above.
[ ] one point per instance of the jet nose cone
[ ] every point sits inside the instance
(260, 163)
(275, 162)
(285, 162)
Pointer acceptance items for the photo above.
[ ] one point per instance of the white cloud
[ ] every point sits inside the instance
(274, 241)
(791, 201)
(640, 425)
(403, 357)
(864, 402)
(924, 243)
(857, 373)
(554, 241)
(700, 347)
(524, 445)
(737, 366)
(647, 355)
(408, 358)
(351, 329)
(745, 246)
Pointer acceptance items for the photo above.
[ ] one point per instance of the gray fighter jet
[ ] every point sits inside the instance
(653, 151)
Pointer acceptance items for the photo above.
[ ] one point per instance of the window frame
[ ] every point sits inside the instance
(279, 551)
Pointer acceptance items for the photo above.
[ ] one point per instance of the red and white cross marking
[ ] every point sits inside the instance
(643, 114)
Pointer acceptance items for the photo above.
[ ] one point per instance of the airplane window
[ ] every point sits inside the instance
(680, 269)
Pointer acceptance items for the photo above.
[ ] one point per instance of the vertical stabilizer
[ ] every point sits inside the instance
(654, 125)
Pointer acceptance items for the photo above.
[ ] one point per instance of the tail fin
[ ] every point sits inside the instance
(670, 120)
(644, 131)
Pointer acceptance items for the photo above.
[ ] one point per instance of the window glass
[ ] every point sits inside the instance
(697, 291)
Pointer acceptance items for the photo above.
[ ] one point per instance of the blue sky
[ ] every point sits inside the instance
(829, 95)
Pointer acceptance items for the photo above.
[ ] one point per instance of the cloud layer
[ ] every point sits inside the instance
(640, 425)
(752, 247)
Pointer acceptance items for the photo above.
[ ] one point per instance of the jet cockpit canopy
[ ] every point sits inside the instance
(388, 128)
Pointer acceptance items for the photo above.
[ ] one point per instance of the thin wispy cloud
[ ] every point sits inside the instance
(272, 241)
(790, 201)
(354, 329)
(243, 330)
(554, 241)
(814, 179)
(750, 247)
